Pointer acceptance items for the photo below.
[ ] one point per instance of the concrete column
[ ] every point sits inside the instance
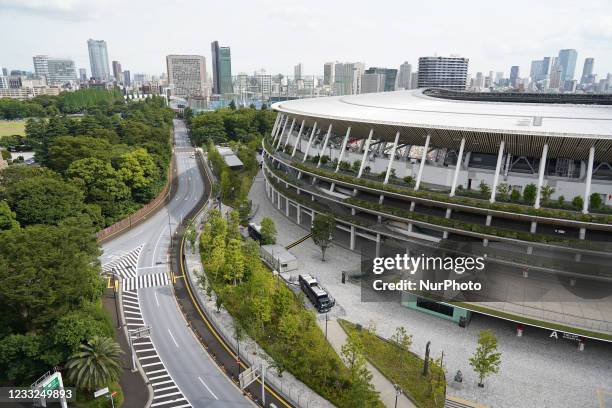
(447, 216)
(314, 128)
(582, 233)
(344, 142)
(377, 245)
(534, 227)
(280, 139)
(278, 128)
(289, 134)
(352, 245)
(422, 165)
(541, 175)
(299, 214)
(299, 138)
(324, 144)
(282, 132)
(457, 168)
(392, 157)
(589, 177)
(287, 207)
(500, 156)
(366, 152)
(275, 125)
(485, 242)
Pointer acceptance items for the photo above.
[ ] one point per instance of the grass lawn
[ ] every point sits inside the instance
(12, 127)
(399, 366)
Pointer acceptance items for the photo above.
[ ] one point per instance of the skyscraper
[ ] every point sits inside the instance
(567, 64)
(298, 71)
(443, 72)
(514, 76)
(390, 77)
(127, 80)
(117, 71)
(404, 76)
(222, 69)
(82, 74)
(347, 77)
(98, 59)
(4, 71)
(372, 82)
(587, 71)
(329, 69)
(186, 74)
(41, 65)
(535, 72)
(61, 71)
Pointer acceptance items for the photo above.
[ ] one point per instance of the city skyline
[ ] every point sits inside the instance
(505, 46)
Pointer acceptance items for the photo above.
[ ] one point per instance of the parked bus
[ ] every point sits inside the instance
(321, 300)
(255, 232)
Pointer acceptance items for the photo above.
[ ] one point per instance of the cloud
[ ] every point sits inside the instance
(71, 10)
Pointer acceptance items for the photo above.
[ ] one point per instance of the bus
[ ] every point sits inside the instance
(320, 299)
(255, 232)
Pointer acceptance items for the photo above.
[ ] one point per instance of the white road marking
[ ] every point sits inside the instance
(156, 244)
(173, 339)
(209, 390)
(156, 300)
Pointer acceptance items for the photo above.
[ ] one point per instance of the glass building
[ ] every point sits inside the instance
(222, 69)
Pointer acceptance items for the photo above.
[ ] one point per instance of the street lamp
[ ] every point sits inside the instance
(398, 392)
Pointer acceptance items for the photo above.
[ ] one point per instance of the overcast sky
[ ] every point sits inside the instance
(277, 34)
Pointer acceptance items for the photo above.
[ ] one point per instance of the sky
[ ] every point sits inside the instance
(276, 35)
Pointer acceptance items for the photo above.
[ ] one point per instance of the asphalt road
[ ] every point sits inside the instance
(198, 378)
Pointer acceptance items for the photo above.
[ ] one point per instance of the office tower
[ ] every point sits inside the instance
(372, 82)
(414, 80)
(4, 72)
(555, 77)
(390, 77)
(535, 72)
(443, 72)
(499, 78)
(347, 77)
(117, 71)
(479, 80)
(405, 71)
(61, 71)
(222, 69)
(298, 71)
(82, 74)
(329, 69)
(186, 74)
(41, 65)
(127, 80)
(4, 81)
(514, 76)
(587, 71)
(567, 64)
(98, 60)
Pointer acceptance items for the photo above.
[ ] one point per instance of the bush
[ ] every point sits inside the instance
(595, 201)
(561, 200)
(578, 203)
(529, 194)
(484, 188)
(515, 196)
(344, 165)
(411, 181)
(324, 160)
(356, 165)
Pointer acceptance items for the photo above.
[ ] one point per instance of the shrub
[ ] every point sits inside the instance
(344, 165)
(324, 159)
(411, 181)
(577, 203)
(503, 189)
(515, 196)
(356, 165)
(561, 200)
(484, 188)
(529, 194)
(367, 169)
(595, 201)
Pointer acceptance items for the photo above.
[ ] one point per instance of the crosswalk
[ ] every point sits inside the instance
(145, 281)
(126, 265)
(166, 394)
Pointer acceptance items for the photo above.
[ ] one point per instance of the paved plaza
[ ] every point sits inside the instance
(536, 370)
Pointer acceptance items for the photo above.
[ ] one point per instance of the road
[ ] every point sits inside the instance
(181, 372)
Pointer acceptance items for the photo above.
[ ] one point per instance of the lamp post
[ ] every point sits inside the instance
(398, 392)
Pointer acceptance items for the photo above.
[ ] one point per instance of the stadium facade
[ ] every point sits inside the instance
(526, 179)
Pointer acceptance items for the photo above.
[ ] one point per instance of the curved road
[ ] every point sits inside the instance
(188, 376)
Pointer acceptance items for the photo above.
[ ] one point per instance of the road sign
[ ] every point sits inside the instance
(102, 391)
(248, 376)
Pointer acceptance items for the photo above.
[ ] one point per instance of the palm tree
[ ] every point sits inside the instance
(96, 364)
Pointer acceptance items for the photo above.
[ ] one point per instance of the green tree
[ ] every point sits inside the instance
(484, 188)
(486, 359)
(546, 192)
(234, 262)
(99, 179)
(66, 149)
(595, 201)
(361, 391)
(232, 105)
(137, 169)
(322, 231)
(503, 189)
(96, 365)
(356, 165)
(233, 231)
(578, 203)
(515, 196)
(268, 231)
(217, 256)
(529, 193)
(7, 217)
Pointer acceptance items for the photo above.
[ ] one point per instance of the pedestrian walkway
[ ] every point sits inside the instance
(146, 281)
(125, 266)
(337, 338)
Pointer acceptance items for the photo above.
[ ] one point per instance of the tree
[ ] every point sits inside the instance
(66, 149)
(268, 231)
(595, 201)
(486, 359)
(529, 193)
(244, 209)
(402, 338)
(137, 169)
(484, 188)
(578, 203)
(233, 224)
(96, 365)
(515, 196)
(503, 189)
(546, 192)
(7, 217)
(233, 269)
(410, 181)
(356, 165)
(322, 231)
(100, 181)
(232, 105)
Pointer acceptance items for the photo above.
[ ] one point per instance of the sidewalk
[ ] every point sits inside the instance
(337, 337)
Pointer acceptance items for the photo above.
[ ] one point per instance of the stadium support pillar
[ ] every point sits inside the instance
(314, 128)
(282, 132)
(299, 214)
(541, 175)
(392, 157)
(279, 127)
(457, 167)
(500, 157)
(287, 207)
(422, 165)
(377, 245)
(299, 138)
(589, 176)
(344, 142)
(280, 139)
(289, 134)
(329, 129)
(366, 151)
(273, 133)
(352, 245)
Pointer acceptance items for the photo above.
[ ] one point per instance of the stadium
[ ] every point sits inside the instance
(525, 179)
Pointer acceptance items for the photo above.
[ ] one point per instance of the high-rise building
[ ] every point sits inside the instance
(117, 71)
(82, 74)
(127, 80)
(41, 65)
(4, 71)
(222, 69)
(567, 64)
(390, 77)
(347, 77)
(405, 71)
(4, 81)
(61, 71)
(98, 60)
(414, 80)
(443, 72)
(298, 71)
(535, 71)
(186, 74)
(514, 76)
(587, 71)
(479, 80)
(372, 82)
(329, 69)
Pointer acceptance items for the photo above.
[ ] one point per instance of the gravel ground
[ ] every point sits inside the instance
(536, 371)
